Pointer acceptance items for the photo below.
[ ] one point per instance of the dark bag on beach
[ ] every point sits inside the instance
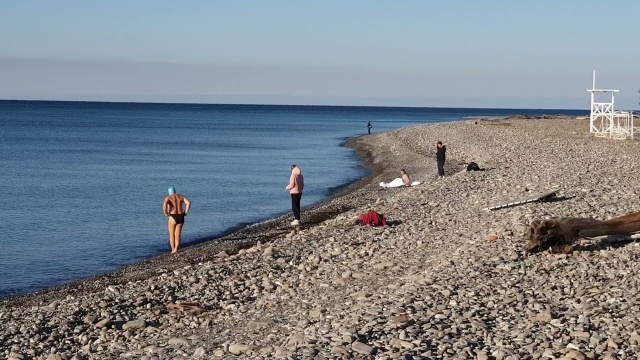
(473, 167)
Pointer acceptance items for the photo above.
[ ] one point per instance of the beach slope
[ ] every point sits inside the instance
(430, 285)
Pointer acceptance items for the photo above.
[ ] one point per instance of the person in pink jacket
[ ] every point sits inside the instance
(296, 184)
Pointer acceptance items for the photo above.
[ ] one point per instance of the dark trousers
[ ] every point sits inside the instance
(440, 167)
(295, 205)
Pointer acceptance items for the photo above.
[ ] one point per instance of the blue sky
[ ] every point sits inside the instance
(529, 54)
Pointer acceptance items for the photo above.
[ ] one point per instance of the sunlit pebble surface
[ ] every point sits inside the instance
(429, 286)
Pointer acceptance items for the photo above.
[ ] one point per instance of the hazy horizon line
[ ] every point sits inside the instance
(283, 104)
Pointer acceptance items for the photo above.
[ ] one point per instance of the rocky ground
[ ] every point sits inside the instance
(429, 286)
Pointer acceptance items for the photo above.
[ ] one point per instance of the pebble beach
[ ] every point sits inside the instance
(446, 279)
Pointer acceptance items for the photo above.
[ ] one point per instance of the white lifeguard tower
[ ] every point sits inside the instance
(604, 121)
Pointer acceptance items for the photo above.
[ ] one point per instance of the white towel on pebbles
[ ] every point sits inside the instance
(397, 182)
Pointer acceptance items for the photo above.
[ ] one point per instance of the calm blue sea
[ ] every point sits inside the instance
(83, 183)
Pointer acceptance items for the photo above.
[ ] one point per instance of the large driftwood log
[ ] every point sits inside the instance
(560, 234)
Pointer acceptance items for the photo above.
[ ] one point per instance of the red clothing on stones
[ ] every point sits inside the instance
(373, 218)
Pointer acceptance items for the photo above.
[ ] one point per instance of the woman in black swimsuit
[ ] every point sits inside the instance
(172, 207)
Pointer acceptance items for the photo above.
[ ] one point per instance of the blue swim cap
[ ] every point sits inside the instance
(172, 190)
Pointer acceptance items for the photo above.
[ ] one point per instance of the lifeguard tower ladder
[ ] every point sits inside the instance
(604, 121)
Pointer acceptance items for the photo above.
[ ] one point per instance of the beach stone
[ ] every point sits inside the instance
(134, 324)
(239, 348)
(178, 341)
(260, 323)
(103, 323)
(268, 252)
(573, 346)
(557, 323)
(545, 316)
(347, 338)
(634, 339)
(580, 334)
(296, 340)
(339, 350)
(400, 319)
(407, 345)
(152, 349)
(361, 348)
(575, 355)
(383, 265)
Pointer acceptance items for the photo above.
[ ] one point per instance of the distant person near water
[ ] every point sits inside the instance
(172, 207)
(441, 150)
(296, 184)
(369, 126)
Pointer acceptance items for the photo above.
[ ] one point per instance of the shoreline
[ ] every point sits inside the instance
(243, 236)
(232, 240)
(445, 278)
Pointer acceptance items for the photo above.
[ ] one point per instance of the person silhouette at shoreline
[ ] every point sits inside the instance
(172, 207)
(369, 126)
(296, 184)
(441, 150)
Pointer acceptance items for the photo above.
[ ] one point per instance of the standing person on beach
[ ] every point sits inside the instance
(296, 184)
(172, 207)
(369, 126)
(441, 150)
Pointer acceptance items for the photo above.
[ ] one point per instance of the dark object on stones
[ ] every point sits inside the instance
(473, 167)
(559, 235)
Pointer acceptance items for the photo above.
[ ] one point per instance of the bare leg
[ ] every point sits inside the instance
(172, 231)
(177, 236)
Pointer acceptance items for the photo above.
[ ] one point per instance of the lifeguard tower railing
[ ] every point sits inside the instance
(605, 121)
